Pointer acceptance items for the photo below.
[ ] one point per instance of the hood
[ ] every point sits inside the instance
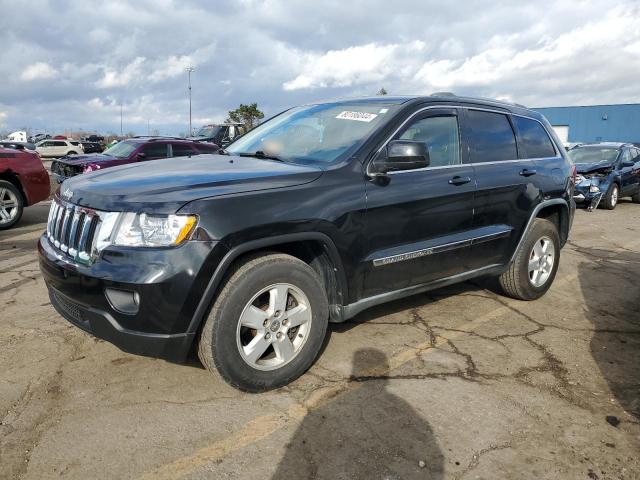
(88, 158)
(163, 186)
(592, 167)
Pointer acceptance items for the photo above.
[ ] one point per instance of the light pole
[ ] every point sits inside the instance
(190, 69)
(120, 119)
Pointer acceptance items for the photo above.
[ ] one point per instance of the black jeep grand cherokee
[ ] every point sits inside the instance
(317, 214)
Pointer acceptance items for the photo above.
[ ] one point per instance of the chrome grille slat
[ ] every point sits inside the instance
(72, 230)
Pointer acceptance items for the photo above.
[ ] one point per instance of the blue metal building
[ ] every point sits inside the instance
(597, 123)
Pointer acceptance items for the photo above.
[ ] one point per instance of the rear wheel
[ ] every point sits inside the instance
(535, 264)
(611, 197)
(11, 205)
(71, 153)
(267, 325)
(636, 198)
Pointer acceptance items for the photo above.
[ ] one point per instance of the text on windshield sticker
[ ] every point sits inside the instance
(357, 116)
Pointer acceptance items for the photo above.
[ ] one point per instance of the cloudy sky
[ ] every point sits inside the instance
(70, 64)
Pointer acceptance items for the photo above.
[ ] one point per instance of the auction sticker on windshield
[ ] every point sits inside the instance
(358, 116)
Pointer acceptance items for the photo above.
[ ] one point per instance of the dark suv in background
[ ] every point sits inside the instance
(607, 171)
(315, 215)
(136, 149)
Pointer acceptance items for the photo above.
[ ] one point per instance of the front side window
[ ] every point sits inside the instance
(490, 137)
(440, 135)
(314, 133)
(533, 138)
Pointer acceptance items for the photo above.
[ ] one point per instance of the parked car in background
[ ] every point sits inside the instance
(606, 172)
(26, 145)
(221, 135)
(38, 137)
(59, 137)
(313, 216)
(92, 147)
(136, 149)
(94, 138)
(23, 182)
(58, 148)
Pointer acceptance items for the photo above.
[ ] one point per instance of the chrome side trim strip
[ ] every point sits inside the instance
(445, 247)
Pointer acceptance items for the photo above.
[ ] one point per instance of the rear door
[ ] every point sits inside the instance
(419, 222)
(506, 188)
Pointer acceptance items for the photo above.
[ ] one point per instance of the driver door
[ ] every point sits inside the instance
(419, 222)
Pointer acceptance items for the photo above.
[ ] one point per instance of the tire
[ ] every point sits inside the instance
(71, 153)
(636, 198)
(611, 197)
(521, 283)
(224, 336)
(10, 215)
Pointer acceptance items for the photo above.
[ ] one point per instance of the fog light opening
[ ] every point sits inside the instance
(123, 301)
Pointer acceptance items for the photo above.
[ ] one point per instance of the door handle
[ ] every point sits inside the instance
(458, 180)
(527, 173)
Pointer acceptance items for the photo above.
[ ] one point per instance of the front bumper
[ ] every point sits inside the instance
(168, 282)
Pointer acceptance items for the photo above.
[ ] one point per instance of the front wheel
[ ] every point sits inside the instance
(535, 264)
(267, 325)
(611, 197)
(11, 205)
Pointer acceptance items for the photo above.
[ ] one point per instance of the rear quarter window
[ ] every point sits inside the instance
(490, 137)
(534, 140)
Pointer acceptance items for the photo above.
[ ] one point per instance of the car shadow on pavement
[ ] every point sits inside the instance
(367, 432)
(611, 290)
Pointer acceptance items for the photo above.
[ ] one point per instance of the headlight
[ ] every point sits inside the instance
(143, 230)
(594, 188)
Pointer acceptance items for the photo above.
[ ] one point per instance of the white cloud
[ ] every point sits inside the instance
(38, 71)
(353, 65)
(3, 118)
(114, 78)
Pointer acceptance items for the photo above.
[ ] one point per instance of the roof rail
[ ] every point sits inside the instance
(443, 94)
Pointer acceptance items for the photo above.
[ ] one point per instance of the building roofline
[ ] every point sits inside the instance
(588, 106)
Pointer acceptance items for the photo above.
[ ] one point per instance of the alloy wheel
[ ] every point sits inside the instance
(541, 261)
(8, 206)
(273, 327)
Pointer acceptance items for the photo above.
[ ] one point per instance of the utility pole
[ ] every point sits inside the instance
(189, 70)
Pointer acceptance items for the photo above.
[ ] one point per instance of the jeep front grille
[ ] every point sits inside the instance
(71, 229)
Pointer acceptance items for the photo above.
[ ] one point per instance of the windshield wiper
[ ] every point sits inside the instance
(260, 154)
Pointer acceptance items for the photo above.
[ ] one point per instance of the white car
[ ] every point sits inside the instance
(58, 148)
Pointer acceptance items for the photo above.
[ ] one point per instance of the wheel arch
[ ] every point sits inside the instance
(314, 248)
(555, 210)
(13, 178)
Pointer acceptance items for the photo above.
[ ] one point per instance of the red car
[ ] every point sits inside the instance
(23, 182)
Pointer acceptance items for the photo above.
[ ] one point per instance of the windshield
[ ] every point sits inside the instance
(210, 131)
(593, 154)
(314, 133)
(121, 149)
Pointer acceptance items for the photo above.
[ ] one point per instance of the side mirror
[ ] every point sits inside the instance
(628, 163)
(402, 155)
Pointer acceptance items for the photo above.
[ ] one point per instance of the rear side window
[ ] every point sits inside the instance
(534, 140)
(490, 137)
(155, 150)
(182, 150)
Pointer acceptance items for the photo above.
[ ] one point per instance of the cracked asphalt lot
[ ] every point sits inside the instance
(457, 383)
